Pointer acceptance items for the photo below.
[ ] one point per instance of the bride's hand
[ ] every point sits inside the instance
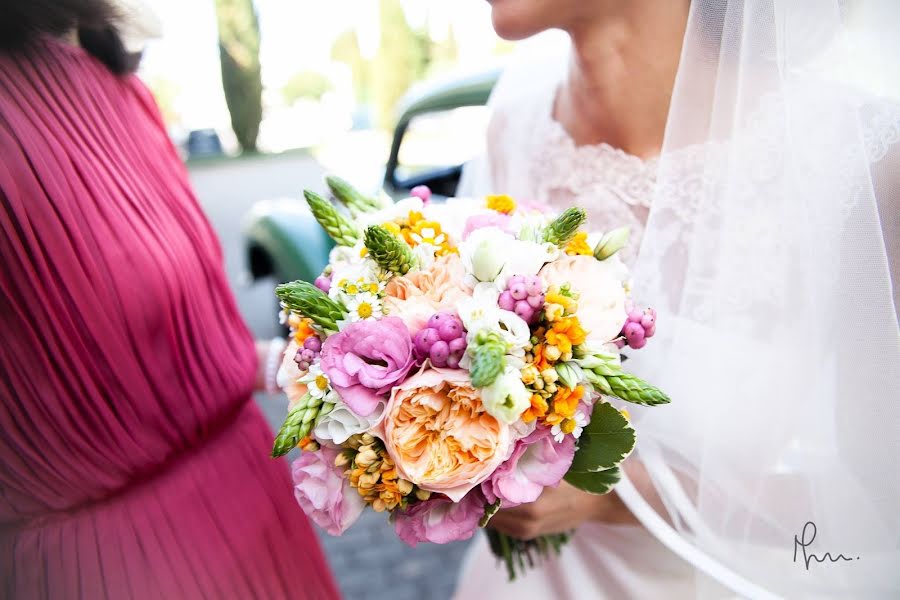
(560, 510)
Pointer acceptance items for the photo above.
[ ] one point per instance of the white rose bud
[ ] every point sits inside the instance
(611, 242)
(506, 399)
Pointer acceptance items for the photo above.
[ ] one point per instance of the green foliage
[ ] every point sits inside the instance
(346, 50)
(350, 197)
(342, 231)
(401, 60)
(388, 251)
(311, 85)
(444, 54)
(605, 442)
(565, 226)
(598, 482)
(309, 301)
(488, 355)
(297, 425)
(241, 73)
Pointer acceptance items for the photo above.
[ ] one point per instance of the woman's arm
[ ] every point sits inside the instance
(566, 507)
(268, 357)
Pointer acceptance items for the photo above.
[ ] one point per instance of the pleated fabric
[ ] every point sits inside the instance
(134, 462)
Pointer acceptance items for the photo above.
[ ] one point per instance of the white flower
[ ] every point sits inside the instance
(531, 226)
(480, 312)
(453, 214)
(363, 306)
(580, 422)
(398, 210)
(424, 254)
(484, 253)
(352, 279)
(317, 382)
(341, 257)
(507, 398)
(340, 422)
(526, 258)
(492, 255)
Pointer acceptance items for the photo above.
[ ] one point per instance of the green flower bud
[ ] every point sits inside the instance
(611, 242)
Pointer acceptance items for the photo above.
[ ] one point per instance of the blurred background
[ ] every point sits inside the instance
(263, 97)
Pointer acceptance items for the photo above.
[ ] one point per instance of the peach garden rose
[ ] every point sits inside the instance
(420, 294)
(439, 435)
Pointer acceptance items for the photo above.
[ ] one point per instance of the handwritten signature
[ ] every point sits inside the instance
(803, 542)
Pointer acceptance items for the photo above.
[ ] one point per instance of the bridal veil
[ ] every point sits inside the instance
(769, 251)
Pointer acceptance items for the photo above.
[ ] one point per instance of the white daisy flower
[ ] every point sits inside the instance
(317, 382)
(363, 306)
(577, 423)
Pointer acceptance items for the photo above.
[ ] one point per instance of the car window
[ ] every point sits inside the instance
(442, 139)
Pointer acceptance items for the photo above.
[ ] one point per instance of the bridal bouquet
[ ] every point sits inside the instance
(455, 358)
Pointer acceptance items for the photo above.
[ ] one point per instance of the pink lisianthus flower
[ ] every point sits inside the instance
(489, 219)
(538, 461)
(366, 359)
(323, 493)
(440, 520)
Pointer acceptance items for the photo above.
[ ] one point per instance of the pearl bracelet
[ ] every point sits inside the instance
(273, 361)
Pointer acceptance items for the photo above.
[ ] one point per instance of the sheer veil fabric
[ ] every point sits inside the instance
(772, 239)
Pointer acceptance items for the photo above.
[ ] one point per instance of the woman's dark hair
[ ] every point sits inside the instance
(23, 21)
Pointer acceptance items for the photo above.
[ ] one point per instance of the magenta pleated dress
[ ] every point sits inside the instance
(134, 461)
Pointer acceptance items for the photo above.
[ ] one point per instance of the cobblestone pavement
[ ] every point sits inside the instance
(369, 561)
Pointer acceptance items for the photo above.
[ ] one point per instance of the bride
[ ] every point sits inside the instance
(750, 147)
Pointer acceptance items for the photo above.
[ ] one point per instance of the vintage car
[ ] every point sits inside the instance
(282, 238)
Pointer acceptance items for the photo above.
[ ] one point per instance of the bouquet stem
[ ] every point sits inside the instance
(518, 555)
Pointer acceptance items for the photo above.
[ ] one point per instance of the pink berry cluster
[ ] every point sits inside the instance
(308, 353)
(323, 282)
(423, 192)
(523, 296)
(640, 326)
(443, 340)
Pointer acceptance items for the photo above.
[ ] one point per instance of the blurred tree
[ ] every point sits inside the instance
(402, 59)
(241, 73)
(305, 84)
(443, 55)
(346, 50)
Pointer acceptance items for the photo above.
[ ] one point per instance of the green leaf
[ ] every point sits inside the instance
(599, 482)
(489, 511)
(606, 441)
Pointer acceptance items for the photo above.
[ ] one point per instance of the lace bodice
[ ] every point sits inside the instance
(542, 163)
(613, 186)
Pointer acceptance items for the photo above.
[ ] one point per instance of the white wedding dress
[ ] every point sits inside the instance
(767, 237)
(530, 156)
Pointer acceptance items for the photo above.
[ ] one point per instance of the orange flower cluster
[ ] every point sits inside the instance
(301, 327)
(563, 335)
(578, 245)
(502, 204)
(564, 405)
(415, 230)
(551, 343)
(374, 475)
